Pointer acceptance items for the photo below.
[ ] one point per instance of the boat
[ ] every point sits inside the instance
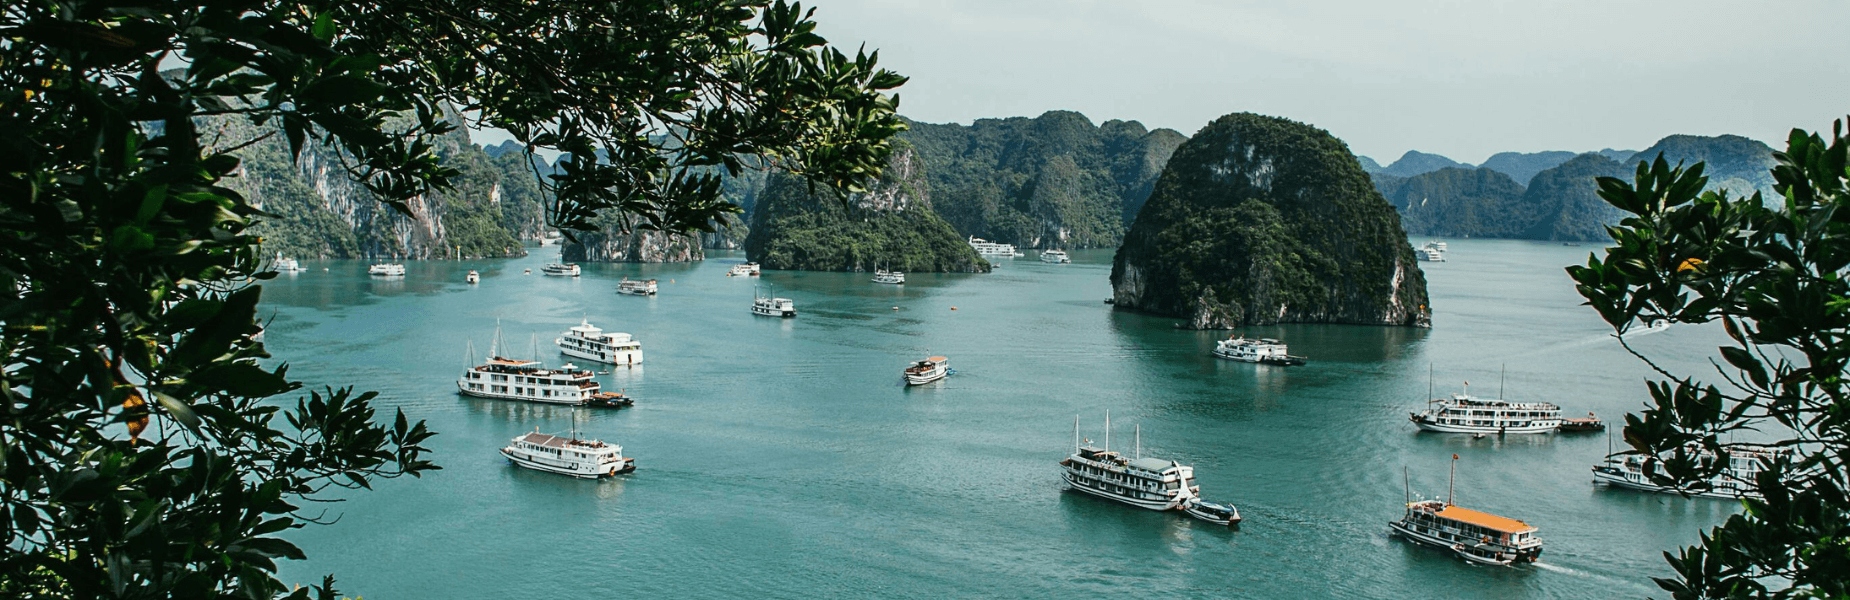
(1735, 481)
(609, 400)
(1436, 245)
(473, 277)
(512, 379)
(636, 287)
(1429, 255)
(1218, 514)
(386, 270)
(1475, 536)
(286, 265)
(767, 306)
(585, 459)
(927, 371)
(1590, 423)
(560, 270)
(1140, 481)
(588, 342)
(987, 248)
(1266, 351)
(1462, 413)
(749, 269)
(885, 276)
(1055, 256)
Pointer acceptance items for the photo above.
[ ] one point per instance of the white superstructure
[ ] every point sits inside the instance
(928, 370)
(512, 379)
(560, 270)
(386, 270)
(749, 269)
(768, 306)
(636, 287)
(586, 459)
(286, 265)
(588, 342)
(1429, 255)
(473, 277)
(1151, 483)
(989, 248)
(1255, 350)
(1735, 481)
(1462, 413)
(1055, 256)
(885, 276)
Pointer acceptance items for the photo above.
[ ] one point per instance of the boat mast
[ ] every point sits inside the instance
(1406, 483)
(1107, 430)
(1501, 375)
(1139, 441)
(494, 349)
(1429, 397)
(1450, 479)
(1076, 434)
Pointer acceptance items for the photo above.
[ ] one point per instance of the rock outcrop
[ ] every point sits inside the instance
(634, 246)
(891, 225)
(1260, 220)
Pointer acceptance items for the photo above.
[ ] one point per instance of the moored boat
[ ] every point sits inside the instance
(636, 287)
(386, 270)
(1254, 350)
(610, 400)
(1055, 256)
(1151, 483)
(560, 270)
(927, 371)
(1212, 512)
(1462, 413)
(591, 343)
(1589, 423)
(582, 458)
(885, 276)
(1736, 479)
(749, 269)
(512, 379)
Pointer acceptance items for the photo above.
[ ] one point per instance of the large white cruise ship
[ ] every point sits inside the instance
(1151, 483)
(1268, 351)
(989, 248)
(1734, 482)
(512, 379)
(584, 459)
(386, 270)
(1462, 413)
(588, 342)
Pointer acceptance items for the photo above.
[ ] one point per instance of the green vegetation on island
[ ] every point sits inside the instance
(890, 225)
(1260, 220)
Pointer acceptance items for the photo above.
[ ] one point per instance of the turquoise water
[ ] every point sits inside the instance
(783, 458)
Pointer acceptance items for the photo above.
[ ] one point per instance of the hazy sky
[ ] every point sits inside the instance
(1463, 79)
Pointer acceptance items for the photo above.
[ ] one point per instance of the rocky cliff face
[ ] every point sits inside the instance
(615, 245)
(1260, 220)
(1054, 181)
(891, 225)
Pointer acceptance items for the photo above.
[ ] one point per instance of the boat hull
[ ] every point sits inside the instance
(773, 313)
(912, 379)
(1619, 480)
(1076, 484)
(623, 357)
(563, 400)
(626, 466)
(1541, 426)
(1460, 549)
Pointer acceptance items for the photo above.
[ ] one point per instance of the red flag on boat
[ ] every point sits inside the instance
(1454, 457)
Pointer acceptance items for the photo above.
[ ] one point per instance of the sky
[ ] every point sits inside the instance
(1462, 79)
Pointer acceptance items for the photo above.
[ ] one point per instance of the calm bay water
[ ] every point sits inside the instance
(784, 458)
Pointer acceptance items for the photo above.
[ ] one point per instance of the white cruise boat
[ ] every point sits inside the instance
(1475, 536)
(1268, 351)
(286, 265)
(1436, 245)
(1055, 256)
(473, 277)
(512, 379)
(1151, 483)
(885, 276)
(588, 342)
(585, 459)
(1462, 413)
(928, 370)
(749, 269)
(386, 270)
(1429, 255)
(767, 306)
(1734, 482)
(636, 287)
(560, 270)
(988, 248)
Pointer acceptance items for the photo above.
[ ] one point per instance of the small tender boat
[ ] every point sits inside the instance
(609, 400)
(1267, 351)
(1055, 256)
(1590, 423)
(584, 459)
(749, 269)
(1218, 514)
(885, 276)
(927, 371)
(386, 270)
(473, 277)
(560, 270)
(636, 287)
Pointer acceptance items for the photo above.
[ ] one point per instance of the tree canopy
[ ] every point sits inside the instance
(143, 455)
(1775, 278)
